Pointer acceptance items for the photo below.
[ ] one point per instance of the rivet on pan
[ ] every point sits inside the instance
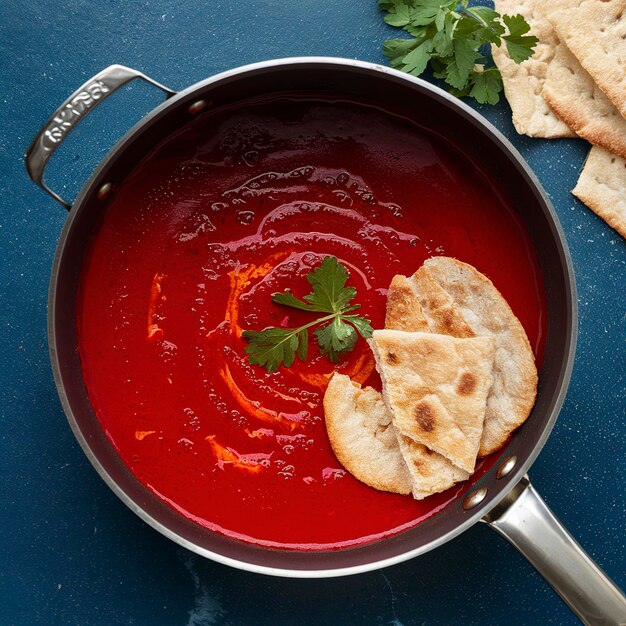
(197, 106)
(506, 466)
(474, 498)
(104, 191)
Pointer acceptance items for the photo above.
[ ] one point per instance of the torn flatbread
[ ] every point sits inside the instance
(512, 396)
(466, 303)
(436, 387)
(362, 436)
(403, 312)
(438, 307)
(366, 443)
(430, 472)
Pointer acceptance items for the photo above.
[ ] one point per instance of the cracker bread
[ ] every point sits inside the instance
(602, 187)
(366, 443)
(512, 396)
(362, 436)
(578, 101)
(436, 387)
(523, 83)
(594, 32)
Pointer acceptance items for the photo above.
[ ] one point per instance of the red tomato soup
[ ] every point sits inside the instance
(241, 203)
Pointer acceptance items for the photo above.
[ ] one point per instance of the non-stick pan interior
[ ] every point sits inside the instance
(406, 96)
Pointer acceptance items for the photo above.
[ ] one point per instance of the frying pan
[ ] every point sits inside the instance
(503, 497)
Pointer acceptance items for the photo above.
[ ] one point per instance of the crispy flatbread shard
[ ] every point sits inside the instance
(436, 387)
(366, 443)
(439, 307)
(514, 389)
(523, 82)
(595, 32)
(403, 310)
(430, 472)
(362, 436)
(602, 187)
(577, 100)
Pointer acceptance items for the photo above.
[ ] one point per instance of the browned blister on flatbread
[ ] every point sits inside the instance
(436, 388)
(595, 32)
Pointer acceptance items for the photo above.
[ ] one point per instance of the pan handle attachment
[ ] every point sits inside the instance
(525, 520)
(72, 111)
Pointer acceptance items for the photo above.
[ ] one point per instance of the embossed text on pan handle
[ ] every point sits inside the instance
(72, 111)
(525, 520)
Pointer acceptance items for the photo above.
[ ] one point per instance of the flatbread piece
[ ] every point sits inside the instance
(430, 472)
(362, 436)
(403, 311)
(523, 82)
(473, 302)
(436, 387)
(602, 187)
(512, 396)
(595, 32)
(366, 443)
(578, 101)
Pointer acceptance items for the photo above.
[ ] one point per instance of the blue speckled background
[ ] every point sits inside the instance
(70, 551)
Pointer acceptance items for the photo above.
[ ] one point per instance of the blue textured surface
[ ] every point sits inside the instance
(71, 553)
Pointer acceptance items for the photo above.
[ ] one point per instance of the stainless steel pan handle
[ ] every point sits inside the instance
(525, 520)
(72, 111)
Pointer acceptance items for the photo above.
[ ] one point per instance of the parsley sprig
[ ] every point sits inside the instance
(337, 333)
(451, 36)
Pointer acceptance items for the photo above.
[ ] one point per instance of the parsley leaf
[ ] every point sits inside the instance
(415, 62)
(459, 68)
(338, 331)
(519, 45)
(272, 347)
(451, 37)
(486, 86)
(329, 293)
(335, 338)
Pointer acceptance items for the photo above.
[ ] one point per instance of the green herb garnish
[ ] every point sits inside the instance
(338, 331)
(450, 36)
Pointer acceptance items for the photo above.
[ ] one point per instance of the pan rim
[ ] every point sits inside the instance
(568, 353)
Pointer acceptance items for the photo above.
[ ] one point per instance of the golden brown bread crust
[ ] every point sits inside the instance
(439, 308)
(366, 443)
(430, 472)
